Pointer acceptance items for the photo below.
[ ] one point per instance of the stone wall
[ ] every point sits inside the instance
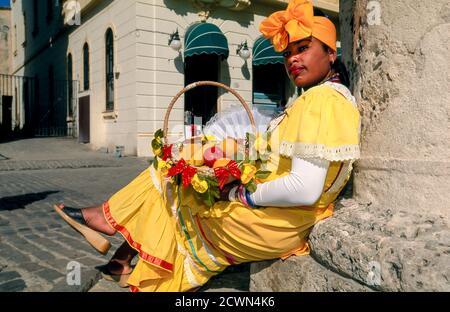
(5, 40)
(394, 234)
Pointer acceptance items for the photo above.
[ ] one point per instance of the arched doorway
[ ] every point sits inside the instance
(205, 48)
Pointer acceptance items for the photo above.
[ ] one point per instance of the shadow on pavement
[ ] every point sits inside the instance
(20, 201)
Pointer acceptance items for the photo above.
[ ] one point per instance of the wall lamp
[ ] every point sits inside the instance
(174, 41)
(243, 51)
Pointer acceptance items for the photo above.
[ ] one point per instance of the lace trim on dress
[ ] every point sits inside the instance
(342, 90)
(187, 267)
(304, 150)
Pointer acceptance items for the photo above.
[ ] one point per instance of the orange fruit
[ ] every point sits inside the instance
(221, 162)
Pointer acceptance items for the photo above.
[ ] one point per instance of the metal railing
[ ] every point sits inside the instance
(37, 107)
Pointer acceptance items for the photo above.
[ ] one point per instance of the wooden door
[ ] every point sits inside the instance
(84, 119)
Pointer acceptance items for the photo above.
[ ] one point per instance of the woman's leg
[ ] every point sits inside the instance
(95, 219)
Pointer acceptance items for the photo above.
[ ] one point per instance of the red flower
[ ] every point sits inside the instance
(187, 172)
(223, 173)
(167, 152)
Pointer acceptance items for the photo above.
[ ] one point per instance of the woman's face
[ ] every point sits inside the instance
(307, 62)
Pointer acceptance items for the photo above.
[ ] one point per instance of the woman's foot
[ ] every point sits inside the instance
(116, 267)
(116, 272)
(78, 220)
(119, 267)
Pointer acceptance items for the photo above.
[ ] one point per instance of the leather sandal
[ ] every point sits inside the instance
(75, 219)
(120, 279)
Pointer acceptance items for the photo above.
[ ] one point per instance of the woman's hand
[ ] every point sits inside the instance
(226, 190)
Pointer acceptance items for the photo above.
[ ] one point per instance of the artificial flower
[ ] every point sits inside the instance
(200, 186)
(248, 172)
(260, 144)
(167, 152)
(163, 166)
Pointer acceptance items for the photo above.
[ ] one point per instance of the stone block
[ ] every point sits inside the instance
(298, 274)
(363, 248)
(49, 275)
(8, 276)
(384, 250)
(13, 286)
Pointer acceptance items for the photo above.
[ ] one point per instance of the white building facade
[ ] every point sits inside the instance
(127, 73)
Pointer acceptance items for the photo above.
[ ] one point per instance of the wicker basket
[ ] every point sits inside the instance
(205, 83)
(204, 169)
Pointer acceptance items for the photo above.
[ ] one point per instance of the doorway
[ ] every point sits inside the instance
(84, 119)
(6, 126)
(201, 101)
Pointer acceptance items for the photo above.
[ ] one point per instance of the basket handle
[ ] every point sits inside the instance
(206, 83)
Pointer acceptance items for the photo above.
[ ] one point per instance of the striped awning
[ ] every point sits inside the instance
(205, 38)
(264, 53)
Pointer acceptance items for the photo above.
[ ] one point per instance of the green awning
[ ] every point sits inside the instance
(264, 53)
(205, 38)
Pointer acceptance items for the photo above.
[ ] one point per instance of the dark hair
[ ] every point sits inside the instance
(340, 69)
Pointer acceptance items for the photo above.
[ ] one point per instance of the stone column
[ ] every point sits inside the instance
(402, 85)
(394, 234)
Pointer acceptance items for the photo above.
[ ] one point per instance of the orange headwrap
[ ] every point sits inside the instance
(296, 23)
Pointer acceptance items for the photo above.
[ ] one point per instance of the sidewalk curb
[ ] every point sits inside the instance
(20, 165)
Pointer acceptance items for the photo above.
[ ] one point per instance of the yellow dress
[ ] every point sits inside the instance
(182, 243)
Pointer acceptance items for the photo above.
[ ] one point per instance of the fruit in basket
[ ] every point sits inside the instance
(230, 147)
(221, 162)
(211, 154)
(192, 153)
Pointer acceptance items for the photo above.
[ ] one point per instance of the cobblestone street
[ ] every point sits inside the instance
(35, 244)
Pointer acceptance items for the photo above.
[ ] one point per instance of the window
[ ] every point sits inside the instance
(15, 40)
(109, 44)
(49, 10)
(69, 84)
(269, 85)
(35, 18)
(86, 67)
(25, 30)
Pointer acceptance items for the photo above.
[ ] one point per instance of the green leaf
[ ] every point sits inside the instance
(209, 198)
(251, 186)
(208, 202)
(177, 179)
(156, 144)
(262, 174)
(155, 163)
(159, 133)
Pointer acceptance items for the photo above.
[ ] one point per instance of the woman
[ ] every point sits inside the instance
(182, 243)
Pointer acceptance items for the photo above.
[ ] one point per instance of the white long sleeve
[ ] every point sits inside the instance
(302, 187)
